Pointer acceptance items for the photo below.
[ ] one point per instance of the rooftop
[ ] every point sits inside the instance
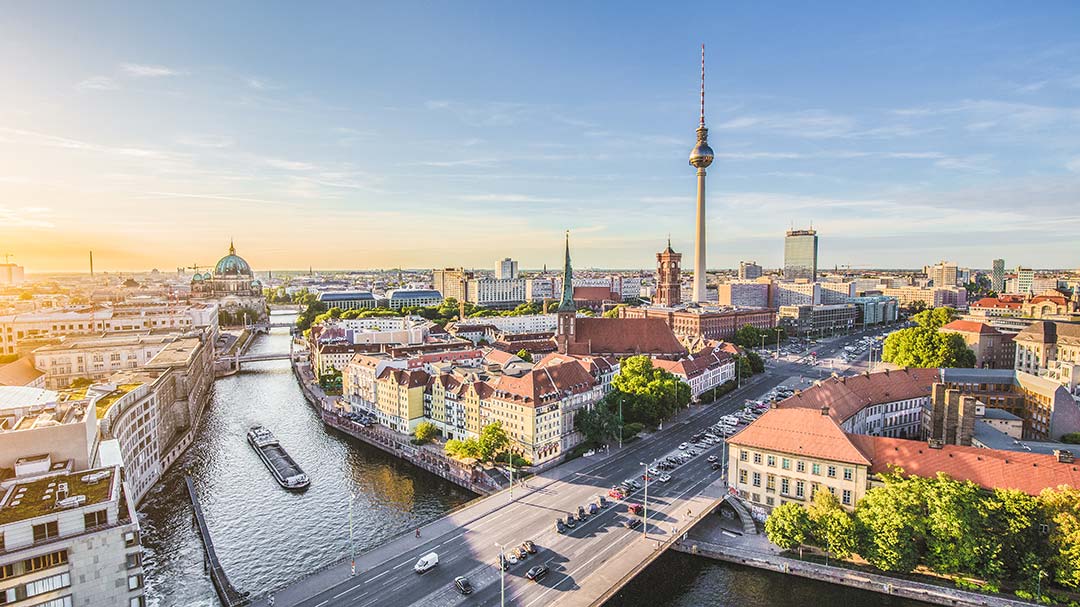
(111, 341)
(23, 396)
(971, 326)
(846, 396)
(799, 431)
(32, 498)
(178, 353)
(19, 373)
(103, 403)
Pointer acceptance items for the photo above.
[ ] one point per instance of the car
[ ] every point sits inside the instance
(462, 584)
(581, 513)
(570, 522)
(601, 501)
(632, 523)
(616, 493)
(520, 553)
(683, 446)
(663, 478)
(636, 484)
(593, 508)
(536, 573)
(712, 458)
(646, 477)
(559, 526)
(635, 509)
(426, 562)
(512, 558)
(529, 546)
(717, 465)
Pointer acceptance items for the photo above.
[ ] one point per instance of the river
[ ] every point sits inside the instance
(266, 536)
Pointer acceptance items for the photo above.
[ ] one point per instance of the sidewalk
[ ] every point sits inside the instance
(338, 572)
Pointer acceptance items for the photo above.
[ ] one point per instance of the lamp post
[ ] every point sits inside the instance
(620, 423)
(502, 576)
(645, 518)
(352, 548)
(778, 330)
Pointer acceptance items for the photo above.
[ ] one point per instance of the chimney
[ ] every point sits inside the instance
(936, 443)
(825, 409)
(1064, 456)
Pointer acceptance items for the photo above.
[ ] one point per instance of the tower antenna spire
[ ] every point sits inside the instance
(703, 84)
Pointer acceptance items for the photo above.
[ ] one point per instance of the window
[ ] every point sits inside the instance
(742, 477)
(770, 483)
(53, 582)
(785, 463)
(757, 458)
(769, 500)
(134, 559)
(771, 461)
(815, 469)
(95, 518)
(831, 472)
(742, 456)
(757, 479)
(800, 466)
(131, 538)
(800, 489)
(137, 601)
(45, 531)
(45, 561)
(846, 499)
(848, 474)
(135, 581)
(64, 601)
(7, 571)
(785, 486)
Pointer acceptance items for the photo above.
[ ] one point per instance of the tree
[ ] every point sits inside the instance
(743, 368)
(831, 527)
(1073, 438)
(524, 355)
(1014, 519)
(935, 318)
(425, 432)
(924, 346)
(648, 394)
(748, 336)
(756, 364)
(614, 312)
(468, 448)
(1061, 507)
(956, 523)
(890, 522)
(493, 441)
(598, 424)
(788, 526)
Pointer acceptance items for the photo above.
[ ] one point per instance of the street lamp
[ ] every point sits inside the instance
(352, 548)
(778, 330)
(645, 518)
(502, 576)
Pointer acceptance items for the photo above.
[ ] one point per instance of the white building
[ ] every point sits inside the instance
(506, 269)
(412, 298)
(528, 323)
(11, 275)
(796, 294)
(96, 357)
(539, 289)
(837, 292)
(496, 293)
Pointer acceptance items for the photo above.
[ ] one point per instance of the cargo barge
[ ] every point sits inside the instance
(287, 473)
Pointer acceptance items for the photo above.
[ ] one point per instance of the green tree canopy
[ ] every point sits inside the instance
(924, 346)
(788, 526)
(1061, 507)
(614, 312)
(831, 527)
(493, 441)
(598, 424)
(524, 355)
(425, 432)
(648, 394)
(891, 523)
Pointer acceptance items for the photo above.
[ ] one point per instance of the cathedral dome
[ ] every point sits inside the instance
(232, 265)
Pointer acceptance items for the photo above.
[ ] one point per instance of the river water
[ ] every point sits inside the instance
(266, 536)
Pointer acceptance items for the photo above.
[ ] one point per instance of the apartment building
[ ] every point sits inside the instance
(801, 293)
(495, 293)
(705, 322)
(934, 297)
(96, 358)
(749, 270)
(399, 398)
(743, 294)
(993, 349)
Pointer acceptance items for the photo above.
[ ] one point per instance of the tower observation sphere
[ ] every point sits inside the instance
(702, 155)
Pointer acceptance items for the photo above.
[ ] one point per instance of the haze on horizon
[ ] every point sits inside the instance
(346, 136)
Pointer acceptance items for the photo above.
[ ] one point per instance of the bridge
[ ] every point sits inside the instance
(234, 362)
(230, 596)
(264, 327)
(587, 565)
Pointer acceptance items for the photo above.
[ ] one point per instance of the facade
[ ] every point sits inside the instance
(749, 270)
(743, 294)
(506, 269)
(934, 297)
(495, 293)
(399, 398)
(96, 358)
(37, 422)
(788, 293)
(818, 320)
(837, 292)
(943, 274)
(528, 323)
(993, 349)
(71, 538)
(1051, 350)
(703, 371)
(708, 323)
(668, 277)
(997, 276)
(1025, 277)
(451, 282)
(539, 289)
(233, 286)
(875, 309)
(348, 300)
(413, 298)
(801, 255)
(11, 275)
(1047, 408)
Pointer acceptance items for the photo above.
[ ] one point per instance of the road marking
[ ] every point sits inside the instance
(400, 565)
(322, 603)
(377, 577)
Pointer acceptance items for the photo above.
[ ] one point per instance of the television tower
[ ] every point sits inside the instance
(700, 157)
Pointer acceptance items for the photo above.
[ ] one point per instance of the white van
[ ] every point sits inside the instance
(426, 562)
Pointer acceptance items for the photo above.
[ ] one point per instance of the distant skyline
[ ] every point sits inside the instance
(364, 136)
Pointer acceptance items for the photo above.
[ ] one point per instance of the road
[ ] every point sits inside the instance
(574, 558)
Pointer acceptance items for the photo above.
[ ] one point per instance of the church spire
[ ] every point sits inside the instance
(232, 249)
(567, 302)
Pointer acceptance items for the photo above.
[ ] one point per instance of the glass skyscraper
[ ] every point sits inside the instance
(800, 255)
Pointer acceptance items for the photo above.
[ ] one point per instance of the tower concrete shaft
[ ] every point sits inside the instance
(699, 247)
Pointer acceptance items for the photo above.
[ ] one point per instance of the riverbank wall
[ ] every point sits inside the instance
(927, 593)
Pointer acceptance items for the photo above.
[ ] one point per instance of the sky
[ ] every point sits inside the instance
(367, 135)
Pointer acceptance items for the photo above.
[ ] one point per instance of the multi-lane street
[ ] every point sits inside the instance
(575, 558)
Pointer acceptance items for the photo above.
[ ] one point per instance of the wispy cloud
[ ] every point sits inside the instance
(44, 139)
(288, 165)
(97, 83)
(25, 217)
(142, 70)
(813, 124)
(206, 141)
(1073, 165)
(507, 198)
(465, 162)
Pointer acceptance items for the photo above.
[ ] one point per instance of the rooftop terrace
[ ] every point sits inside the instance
(38, 497)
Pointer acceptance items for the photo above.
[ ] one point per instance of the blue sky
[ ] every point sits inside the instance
(353, 136)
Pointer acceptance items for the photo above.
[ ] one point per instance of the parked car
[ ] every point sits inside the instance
(462, 584)
(570, 522)
(601, 501)
(529, 546)
(632, 523)
(663, 478)
(712, 458)
(536, 573)
(581, 513)
(616, 493)
(559, 526)
(635, 509)
(512, 558)
(683, 446)
(593, 508)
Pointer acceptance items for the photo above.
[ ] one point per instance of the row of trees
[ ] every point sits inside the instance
(750, 336)
(492, 442)
(952, 527)
(645, 395)
(448, 310)
(924, 346)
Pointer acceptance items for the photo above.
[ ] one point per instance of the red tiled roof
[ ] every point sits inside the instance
(19, 373)
(409, 379)
(627, 336)
(988, 468)
(805, 432)
(971, 326)
(543, 385)
(846, 396)
(1005, 301)
(692, 367)
(498, 357)
(1058, 299)
(594, 294)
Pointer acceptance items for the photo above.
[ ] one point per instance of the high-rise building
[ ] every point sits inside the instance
(997, 276)
(942, 274)
(749, 270)
(700, 158)
(11, 274)
(451, 282)
(1025, 277)
(506, 268)
(801, 255)
(668, 283)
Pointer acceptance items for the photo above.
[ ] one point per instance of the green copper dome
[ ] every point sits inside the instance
(232, 265)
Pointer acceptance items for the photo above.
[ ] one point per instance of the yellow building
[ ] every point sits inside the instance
(399, 398)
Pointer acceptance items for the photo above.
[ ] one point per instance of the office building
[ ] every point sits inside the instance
(743, 294)
(875, 309)
(96, 358)
(495, 293)
(506, 269)
(749, 270)
(539, 289)
(1025, 277)
(801, 255)
(412, 298)
(837, 292)
(943, 274)
(997, 276)
(348, 300)
(450, 282)
(932, 297)
(800, 293)
(817, 321)
(706, 322)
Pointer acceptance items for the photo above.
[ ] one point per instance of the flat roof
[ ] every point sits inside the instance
(179, 352)
(993, 438)
(37, 497)
(112, 341)
(12, 397)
